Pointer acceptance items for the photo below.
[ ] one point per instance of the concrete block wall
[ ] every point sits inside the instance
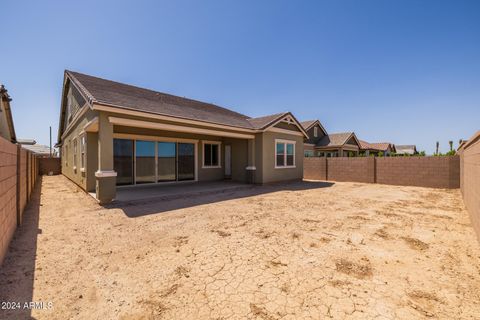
(470, 176)
(47, 165)
(8, 194)
(18, 174)
(433, 172)
(315, 168)
(351, 169)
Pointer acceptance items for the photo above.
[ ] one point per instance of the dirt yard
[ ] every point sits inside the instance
(296, 251)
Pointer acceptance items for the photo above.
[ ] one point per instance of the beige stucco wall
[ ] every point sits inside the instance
(77, 176)
(239, 151)
(264, 152)
(266, 171)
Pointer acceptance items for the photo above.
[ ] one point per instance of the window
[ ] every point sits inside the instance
(284, 154)
(75, 154)
(66, 155)
(211, 154)
(315, 132)
(82, 152)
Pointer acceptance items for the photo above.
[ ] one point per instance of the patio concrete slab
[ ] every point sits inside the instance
(154, 192)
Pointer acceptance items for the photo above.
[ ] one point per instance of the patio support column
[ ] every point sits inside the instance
(251, 169)
(105, 176)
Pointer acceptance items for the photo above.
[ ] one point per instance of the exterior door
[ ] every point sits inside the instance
(186, 161)
(228, 161)
(123, 160)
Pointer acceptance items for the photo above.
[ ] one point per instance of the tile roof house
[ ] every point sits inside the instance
(323, 144)
(406, 149)
(368, 148)
(114, 134)
(39, 150)
(7, 130)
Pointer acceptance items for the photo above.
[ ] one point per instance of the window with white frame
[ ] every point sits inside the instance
(75, 153)
(284, 154)
(211, 154)
(82, 151)
(315, 132)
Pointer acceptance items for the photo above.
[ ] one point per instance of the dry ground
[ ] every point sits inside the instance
(280, 252)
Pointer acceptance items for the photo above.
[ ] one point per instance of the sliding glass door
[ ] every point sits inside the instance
(144, 161)
(186, 161)
(123, 161)
(141, 161)
(167, 161)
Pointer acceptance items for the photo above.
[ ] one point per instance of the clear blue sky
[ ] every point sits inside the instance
(399, 71)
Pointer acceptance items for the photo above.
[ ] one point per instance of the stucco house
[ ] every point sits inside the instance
(323, 144)
(368, 148)
(113, 134)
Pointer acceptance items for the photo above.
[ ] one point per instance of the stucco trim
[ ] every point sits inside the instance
(122, 110)
(176, 128)
(280, 130)
(151, 138)
(105, 174)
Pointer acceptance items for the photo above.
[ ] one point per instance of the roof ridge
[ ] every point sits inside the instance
(149, 90)
(81, 86)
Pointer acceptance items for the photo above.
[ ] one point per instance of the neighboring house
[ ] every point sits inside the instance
(7, 130)
(38, 149)
(322, 144)
(406, 149)
(367, 148)
(315, 132)
(344, 144)
(113, 134)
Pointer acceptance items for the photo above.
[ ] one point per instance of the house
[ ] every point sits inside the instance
(322, 144)
(37, 149)
(343, 144)
(406, 149)
(113, 134)
(385, 148)
(7, 130)
(315, 132)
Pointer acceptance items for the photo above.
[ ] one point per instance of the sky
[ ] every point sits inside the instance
(406, 72)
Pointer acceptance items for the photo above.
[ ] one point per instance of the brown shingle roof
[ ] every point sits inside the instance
(334, 139)
(262, 122)
(130, 97)
(380, 146)
(306, 124)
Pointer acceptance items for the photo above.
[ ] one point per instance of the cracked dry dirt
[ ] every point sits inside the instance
(296, 251)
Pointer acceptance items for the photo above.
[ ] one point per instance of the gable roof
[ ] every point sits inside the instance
(262, 122)
(380, 146)
(5, 97)
(310, 123)
(336, 139)
(128, 97)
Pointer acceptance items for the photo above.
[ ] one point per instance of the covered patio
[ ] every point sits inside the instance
(154, 192)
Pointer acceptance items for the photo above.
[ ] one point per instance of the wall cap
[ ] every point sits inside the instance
(105, 173)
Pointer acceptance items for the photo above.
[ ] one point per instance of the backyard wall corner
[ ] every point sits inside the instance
(470, 179)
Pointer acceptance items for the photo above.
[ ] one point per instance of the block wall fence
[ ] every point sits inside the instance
(19, 170)
(470, 179)
(432, 172)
